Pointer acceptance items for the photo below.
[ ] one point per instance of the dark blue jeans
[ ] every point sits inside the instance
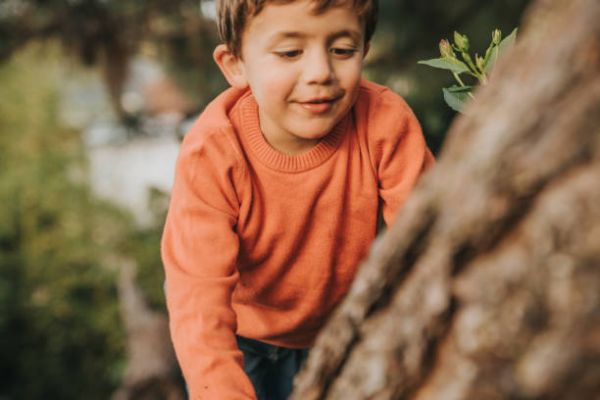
(271, 368)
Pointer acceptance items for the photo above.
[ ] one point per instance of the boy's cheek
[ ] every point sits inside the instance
(272, 83)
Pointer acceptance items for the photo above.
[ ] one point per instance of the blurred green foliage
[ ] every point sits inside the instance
(60, 328)
(59, 323)
(182, 36)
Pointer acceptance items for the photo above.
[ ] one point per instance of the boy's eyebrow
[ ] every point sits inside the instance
(352, 34)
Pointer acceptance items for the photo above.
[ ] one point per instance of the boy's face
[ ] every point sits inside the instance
(304, 70)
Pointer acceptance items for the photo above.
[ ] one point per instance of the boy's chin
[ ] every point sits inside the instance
(314, 135)
(316, 131)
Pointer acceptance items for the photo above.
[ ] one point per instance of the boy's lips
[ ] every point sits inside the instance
(319, 105)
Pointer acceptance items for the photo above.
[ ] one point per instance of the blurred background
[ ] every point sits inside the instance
(95, 96)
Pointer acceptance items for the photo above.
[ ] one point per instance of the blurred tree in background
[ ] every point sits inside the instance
(109, 33)
(60, 328)
(61, 333)
(61, 336)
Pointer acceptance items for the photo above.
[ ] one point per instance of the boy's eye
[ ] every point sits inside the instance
(342, 52)
(289, 54)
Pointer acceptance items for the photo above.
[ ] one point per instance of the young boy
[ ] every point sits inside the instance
(277, 192)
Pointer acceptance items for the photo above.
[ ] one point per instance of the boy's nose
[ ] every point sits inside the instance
(318, 68)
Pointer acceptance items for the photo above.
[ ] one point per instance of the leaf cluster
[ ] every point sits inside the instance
(455, 57)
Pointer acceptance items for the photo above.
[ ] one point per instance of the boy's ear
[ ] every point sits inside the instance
(231, 66)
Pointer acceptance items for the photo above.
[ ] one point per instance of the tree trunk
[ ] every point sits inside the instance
(488, 284)
(152, 372)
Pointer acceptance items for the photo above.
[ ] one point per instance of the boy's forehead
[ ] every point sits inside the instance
(236, 16)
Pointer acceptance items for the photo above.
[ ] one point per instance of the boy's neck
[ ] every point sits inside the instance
(292, 147)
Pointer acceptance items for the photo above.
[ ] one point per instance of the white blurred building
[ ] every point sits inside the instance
(125, 173)
(125, 165)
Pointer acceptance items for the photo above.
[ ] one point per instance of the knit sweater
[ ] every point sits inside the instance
(265, 245)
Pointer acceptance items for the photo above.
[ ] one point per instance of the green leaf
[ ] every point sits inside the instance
(508, 41)
(497, 50)
(491, 60)
(455, 100)
(488, 55)
(450, 64)
(460, 89)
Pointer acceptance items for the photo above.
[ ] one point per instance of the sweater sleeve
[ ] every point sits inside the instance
(399, 150)
(199, 250)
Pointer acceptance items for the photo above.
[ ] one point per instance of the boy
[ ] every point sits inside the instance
(277, 192)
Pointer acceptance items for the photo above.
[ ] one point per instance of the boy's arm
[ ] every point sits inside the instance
(199, 251)
(401, 154)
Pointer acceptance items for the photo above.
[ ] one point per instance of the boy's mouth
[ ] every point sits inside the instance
(319, 105)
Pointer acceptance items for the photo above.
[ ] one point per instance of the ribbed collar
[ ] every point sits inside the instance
(253, 137)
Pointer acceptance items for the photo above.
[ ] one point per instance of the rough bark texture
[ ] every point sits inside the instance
(488, 284)
(152, 372)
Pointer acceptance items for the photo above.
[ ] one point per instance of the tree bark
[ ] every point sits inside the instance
(488, 284)
(152, 371)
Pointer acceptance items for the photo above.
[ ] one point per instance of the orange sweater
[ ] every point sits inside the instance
(264, 244)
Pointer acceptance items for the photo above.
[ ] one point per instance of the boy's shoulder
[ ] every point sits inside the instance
(372, 87)
(210, 148)
(215, 117)
(380, 112)
(213, 129)
(378, 98)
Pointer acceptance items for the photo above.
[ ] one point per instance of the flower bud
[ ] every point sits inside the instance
(446, 49)
(480, 62)
(461, 41)
(496, 36)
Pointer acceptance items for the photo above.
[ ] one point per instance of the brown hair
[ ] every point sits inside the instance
(232, 16)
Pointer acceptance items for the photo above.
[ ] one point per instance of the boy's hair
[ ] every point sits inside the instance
(232, 16)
